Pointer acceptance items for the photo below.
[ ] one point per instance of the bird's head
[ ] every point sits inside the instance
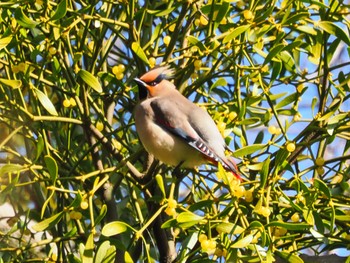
(156, 81)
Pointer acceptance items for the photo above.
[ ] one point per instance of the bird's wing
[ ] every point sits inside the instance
(169, 116)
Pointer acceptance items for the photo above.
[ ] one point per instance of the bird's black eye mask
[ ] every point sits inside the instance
(158, 80)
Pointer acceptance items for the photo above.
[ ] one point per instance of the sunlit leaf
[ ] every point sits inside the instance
(13, 83)
(229, 228)
(333, 29)
(244, 151)
(5, 41)
(88, 255)
(244, 242)
(90, 80)
(235, 33)
(24, 20)
(10, 168)
(115, 228)
(48, 223)
(185, 217)
(135, 46)
(46, 102)
(104, 253)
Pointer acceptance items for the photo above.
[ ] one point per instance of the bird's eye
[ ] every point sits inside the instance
(157, 80)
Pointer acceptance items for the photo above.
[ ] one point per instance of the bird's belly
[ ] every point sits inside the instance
(168, 148)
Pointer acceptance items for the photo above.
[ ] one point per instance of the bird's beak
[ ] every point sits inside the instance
(140, 83)
(143, 92)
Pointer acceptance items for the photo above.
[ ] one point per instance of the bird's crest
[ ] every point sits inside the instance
(157, 74)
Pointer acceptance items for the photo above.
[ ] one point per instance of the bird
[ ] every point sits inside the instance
(173, 129)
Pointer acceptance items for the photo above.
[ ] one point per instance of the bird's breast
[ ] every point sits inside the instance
(163, 145)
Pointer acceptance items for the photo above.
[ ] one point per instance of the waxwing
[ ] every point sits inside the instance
(175, 130)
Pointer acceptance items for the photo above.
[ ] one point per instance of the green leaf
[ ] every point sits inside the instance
(334, 30)
(13, 83)
(23, 20)
(288, 60)
(135, 46)
(289, 226)
(244, 151)
(244, 242)
(52, 167)
(273, 52)
(276, 70)
(320, 185)
(287, 100)
(264, 172)
(103, 212)
(60, 11)
(195, 42)
(289, 257)
(48, 223)
(90, 80)
(170, 223)
(88, 255)
(5, 41)
(115, 228)
(298, 16)
(236, 32)
(46, 102)
(162, 12)
(10, 168)
(309, 217)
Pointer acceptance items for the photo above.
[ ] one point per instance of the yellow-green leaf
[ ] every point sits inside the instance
(248, 150)
(90, 80)
(10, 168)
(229, 228)
(5, 41)
(188, 217)
(139, 51)
(24, 20)
(48, 223)
(46, 102)
(244, 242)
(115, 228)
(334, 30)
(88, 256)
(236, 32)
(13, 83)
